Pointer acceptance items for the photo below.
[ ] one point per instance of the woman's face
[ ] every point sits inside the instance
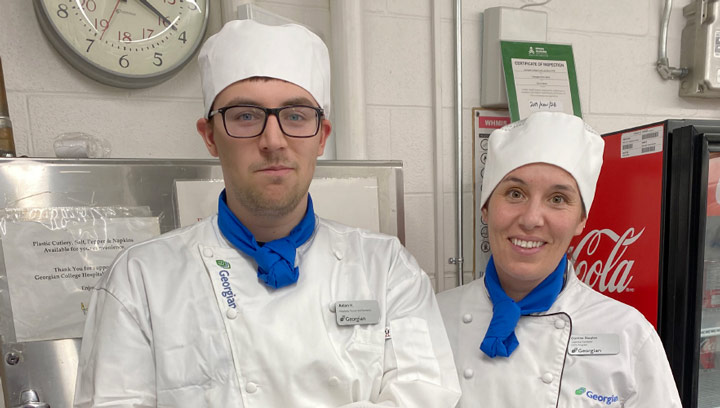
(532, 215)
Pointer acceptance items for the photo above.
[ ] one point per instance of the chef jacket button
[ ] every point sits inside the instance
(332, 307)
(334, 381)
(559, 324)
(250, 387)
(207, 252)
(231, 313)
(467, 318)
(468, 373)
(547, 378)
(338, 254)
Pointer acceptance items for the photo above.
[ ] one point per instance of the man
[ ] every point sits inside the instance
(250, 308)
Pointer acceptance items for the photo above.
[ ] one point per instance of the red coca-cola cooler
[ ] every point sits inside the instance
(653, 241)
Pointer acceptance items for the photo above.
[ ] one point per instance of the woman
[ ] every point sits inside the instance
(530, 333)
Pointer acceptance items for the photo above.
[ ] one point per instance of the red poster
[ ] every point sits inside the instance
(618, 253)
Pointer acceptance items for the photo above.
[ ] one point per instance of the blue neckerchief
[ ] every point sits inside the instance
(275, 259)
(500, 337)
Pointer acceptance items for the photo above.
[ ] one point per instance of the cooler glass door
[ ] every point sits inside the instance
(709, 368)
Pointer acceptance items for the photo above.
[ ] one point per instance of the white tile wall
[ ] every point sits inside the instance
(379, 145)
(134, 128)
(471, 62)
(412, 142)
(609, 16)
(419, 233)
(421, 8)
(375, 6)
(398, 67)
(615, 43)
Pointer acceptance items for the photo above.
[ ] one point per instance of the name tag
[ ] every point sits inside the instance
(350, 312)
(594, 344)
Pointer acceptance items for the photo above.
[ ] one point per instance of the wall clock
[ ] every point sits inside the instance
(125, 43)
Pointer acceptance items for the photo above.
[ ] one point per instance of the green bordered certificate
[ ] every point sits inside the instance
(539, 77)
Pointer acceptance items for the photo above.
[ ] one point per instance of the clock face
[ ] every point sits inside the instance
(125, 43)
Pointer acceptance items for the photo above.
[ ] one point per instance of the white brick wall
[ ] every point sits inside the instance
(614, 41)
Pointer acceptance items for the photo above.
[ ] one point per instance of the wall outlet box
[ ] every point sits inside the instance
(700, 49)
(507, 24)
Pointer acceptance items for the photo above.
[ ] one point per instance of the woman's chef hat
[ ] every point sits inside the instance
(245, 48)
(546, 137)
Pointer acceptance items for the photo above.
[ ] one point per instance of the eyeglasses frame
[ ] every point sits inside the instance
(269, 111)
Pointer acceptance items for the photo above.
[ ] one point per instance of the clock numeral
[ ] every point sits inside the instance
(182, 37)
(170, 2)
(192, 5)
(158, 59)
(62, 11)
(89, 5)
(124, 62)
(124, 36)
(103, 24)
(163, 21)
(91, 41)
(147, 32)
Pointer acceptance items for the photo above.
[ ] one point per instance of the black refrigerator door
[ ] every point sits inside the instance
(690, 253)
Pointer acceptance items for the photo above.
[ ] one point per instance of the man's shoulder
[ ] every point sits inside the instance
(343, 231)
(383, 250)
(174, 241)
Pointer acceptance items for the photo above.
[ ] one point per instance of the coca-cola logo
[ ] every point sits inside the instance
(611, 274)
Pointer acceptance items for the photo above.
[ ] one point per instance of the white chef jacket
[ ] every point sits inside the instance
(548, 369)
(183, 321)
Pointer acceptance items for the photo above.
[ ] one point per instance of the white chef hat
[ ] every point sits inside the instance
(245, 48)
(546, 137)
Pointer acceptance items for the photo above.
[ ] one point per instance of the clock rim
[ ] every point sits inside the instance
(103, 75)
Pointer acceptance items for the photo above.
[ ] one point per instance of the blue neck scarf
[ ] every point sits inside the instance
(275, 259)
(500, 337)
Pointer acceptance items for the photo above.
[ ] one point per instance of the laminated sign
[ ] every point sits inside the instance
(540, 77)
(54, 257)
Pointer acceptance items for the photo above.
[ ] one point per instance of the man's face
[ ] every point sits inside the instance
(269, 174)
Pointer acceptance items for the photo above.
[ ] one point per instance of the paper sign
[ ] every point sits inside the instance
(540, 77)
(51, 271)
(196, 199)
(642, 141)
(484, 122)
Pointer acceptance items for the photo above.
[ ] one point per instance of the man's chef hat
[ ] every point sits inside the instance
(546, 137)
(245, 48)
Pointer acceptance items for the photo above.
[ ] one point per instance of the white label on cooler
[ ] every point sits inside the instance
(640, 142)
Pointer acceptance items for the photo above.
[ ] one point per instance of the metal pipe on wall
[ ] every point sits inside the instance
(438, 156)
(663, 64)
(348, 79)
(458, 260)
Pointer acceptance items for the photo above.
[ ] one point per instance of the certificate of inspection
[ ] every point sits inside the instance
(539, 77)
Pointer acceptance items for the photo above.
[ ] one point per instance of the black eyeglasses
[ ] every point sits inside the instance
(246, 121)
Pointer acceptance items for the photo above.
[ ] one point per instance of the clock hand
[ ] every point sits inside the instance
(147, 4)
(110, 19)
